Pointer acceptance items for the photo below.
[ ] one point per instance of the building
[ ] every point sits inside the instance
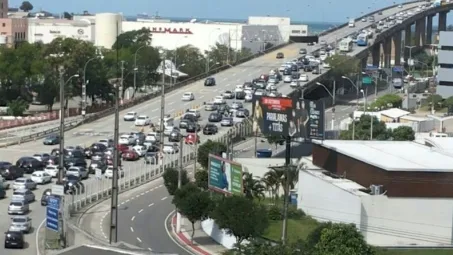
(108, 27)
(46, 30)
(393, 115)
(13, 30)
(396, 193)
(3, 9)
(445, 69)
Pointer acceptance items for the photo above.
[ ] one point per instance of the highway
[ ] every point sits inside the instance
(225, 81)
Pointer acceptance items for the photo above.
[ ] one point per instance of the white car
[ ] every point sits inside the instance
(140, 149)
(219, 100)
(287, 79)
(127, 139)
(142, 120)
(130, 116)
(282, 68)
(325, 65)
(109, 172)
(170, 149)
(77, 171)
(41, 177)
(188, 96)
(239, 88)
(51, 170)
(294, 84)
(248, 97)
(271, 86)
(303, 77)
(107, 142)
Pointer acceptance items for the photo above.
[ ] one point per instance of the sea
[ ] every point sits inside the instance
(313, 27)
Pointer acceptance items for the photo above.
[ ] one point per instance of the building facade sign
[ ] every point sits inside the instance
(169, 30)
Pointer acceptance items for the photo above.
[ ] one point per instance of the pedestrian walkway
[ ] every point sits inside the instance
(202, 243)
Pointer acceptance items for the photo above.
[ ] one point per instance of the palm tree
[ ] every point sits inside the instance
(272, 182)
(253, 188)
(276, 178)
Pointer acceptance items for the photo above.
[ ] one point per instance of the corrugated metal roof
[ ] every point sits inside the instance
(394, 113)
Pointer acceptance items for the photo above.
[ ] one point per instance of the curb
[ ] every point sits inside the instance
(182, 239)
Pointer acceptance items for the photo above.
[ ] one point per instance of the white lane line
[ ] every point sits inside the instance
(133, 218)
(155, 110)
(150, 249)
(132, 229)
(143, 193)
(137, 196)
(224, 79)
(140, 211)
(127, 201)
(150, 204)
(164, 198)
(160, 186)
(138, 239)
(170, 103)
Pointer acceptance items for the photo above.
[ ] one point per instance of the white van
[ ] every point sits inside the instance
(168, 121)
(351, 23)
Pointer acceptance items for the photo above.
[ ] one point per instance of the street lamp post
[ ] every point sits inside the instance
(85, 83)
(209, 67)
(333, 100)
(135, 65)
(207, 55)
(357, 104)
(365, 94)
(375, 79)
(410, 55)
(162, 103)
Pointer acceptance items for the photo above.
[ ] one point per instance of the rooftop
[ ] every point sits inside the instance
(344, 184)
(444, 144)
(393, 155)
(394, 113)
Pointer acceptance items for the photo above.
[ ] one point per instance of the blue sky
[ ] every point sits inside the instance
(297, 10)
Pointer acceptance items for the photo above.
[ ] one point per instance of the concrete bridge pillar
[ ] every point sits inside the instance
(375, 54)
(429, 29)
(418, 34)
(423, 31)
(397, 48)
(442, 21)
(387, 45)
(407, 41)
(364, 61)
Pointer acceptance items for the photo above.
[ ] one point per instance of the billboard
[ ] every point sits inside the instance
(304, 39)
(225, 176)
(312, 116)
(273, 115)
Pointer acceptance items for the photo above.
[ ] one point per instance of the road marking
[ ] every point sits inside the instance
(150, 249)
(127, 201)
(164, 198)
(160, 186)
(147, 191)
(155, 110)
(140, 211)
(234, 74)
(150, 204)
(138, 239)
(224, 79)
(132, 229)
(171, 103)
(133, 218)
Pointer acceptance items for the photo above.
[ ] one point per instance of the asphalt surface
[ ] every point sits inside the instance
(86, 134)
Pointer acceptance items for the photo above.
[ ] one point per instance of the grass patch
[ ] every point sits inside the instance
(427, 108)
(297, 229)
(415, 252)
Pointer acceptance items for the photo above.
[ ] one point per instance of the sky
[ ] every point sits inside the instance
(297, 10)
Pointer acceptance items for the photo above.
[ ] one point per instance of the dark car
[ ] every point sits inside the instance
(45, 196)
(210, 129)
(310, 43)
(93, 149)
(97, 164)
(183, 123)
(74, 161)
(242, 113)
(303, 51)
(315, 70)
(73, 185)
(215, 117)
(175, 135)
(240, 95)
(223, 109)
(29, 164)
(294, 68)
(12, 173)
(51, 140)
(295, 76)
(151, 158)
(280, 55)
(53, 160)
(14, 239)
(193, 128)
(287, 71)
(140, 137)
(5, 165)
(210, 81)
(308, 68)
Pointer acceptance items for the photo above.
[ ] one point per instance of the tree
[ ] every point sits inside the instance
(17, 107)
(253, 188)
(449, 102)
(240, 217)
(171, 179)
(67, 15)
(276, 140)
(26, 6)
(387, 101)
(342, 65)
(209, 147)
(403, 133)
(133, 38)
(435, 100)
(193, 203)
(363, 127)
(315, 235)
(189, 60)
(201, 179)
(342, 239)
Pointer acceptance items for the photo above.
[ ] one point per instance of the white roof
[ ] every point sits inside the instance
(414, 118)
(442, 143)
(393, 155)
(394, 113)
(342, 183)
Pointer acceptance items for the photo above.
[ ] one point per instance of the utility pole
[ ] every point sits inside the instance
(195, 152)
(334, 92)
(180, 169)
(162, 106)
(229, 46)
(62, 115)
(286, 192)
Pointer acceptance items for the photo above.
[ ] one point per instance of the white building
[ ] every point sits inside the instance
(46, 30)
(383, 220)
(108, 27)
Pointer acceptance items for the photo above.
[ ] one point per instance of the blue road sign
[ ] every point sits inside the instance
(52, 213)
(371, 68)
(398, 69)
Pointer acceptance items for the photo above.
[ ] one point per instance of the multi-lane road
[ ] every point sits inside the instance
(225, 81)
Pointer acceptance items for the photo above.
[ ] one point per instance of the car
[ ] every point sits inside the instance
(280, 55)
(74, 161)
(99, 155)
(325, 65)
(294, 84)
(20, 224)
(131, 155)
(43, 157)
(109, 173)
(237, 105)
(107, 142)
(315, 71)
(303, 51)
(23, 195)
(400, 6)
(193, 127)
(224, 109)
(130, 116)
(18, 207)
(188, 96)
(227, 122)
(51, 170)
(127, 139)
(239, 95)
(210, 107)
(310, 43)
(219, 100)
(24, 183)
(191, 139)
(51, 140)
(3, 184)
(239, 88)
(228, 94)
(12, 173)
(303, 77)
(242, 113)
(271, 86)
(78, 171)
(215, 117)
(14, 239)
(176, 136)
(73, 185)
(248, 97)
(142, 120)
(151, 139)
(210, 81)
(380, 13)
(210, 129)
(170, 148)
(287, 79)
(101, 165)
(140, 149)
(41, 177)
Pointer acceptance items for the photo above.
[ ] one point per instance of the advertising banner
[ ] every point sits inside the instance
(225, 176)
(311, 119)
(273, 115)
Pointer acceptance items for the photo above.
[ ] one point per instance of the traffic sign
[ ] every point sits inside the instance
(58, 190)
(52, 213)
(371, 68)
(398, 69)
(98, 174)
(366, 80)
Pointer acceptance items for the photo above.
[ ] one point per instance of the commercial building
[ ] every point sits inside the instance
(445, 60)
(396, 193)
(13, 30)
(46, 30)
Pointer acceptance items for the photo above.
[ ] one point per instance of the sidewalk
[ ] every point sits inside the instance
(202, 243)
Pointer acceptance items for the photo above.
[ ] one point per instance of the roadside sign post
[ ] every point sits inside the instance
(54, 222)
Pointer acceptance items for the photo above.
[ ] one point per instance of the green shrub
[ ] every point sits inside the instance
(274, 213)
(294, 213)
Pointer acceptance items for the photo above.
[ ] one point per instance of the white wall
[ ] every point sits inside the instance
(202, 36)
(326, 202)
(47, 30)
(219, 235)
(108, 25)
(404, 222)
(283, 23)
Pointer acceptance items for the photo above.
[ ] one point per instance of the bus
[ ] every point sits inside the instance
(362, 40)
(346, 45)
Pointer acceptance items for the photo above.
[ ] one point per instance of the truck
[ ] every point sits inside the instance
(346, 45)
(351, 23)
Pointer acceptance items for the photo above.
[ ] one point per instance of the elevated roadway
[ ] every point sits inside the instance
(85, 135)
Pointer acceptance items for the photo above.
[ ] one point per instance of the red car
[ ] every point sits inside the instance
(192, 138)
(122, 148)
(109, 160)
(130, 155)
(264, 77)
